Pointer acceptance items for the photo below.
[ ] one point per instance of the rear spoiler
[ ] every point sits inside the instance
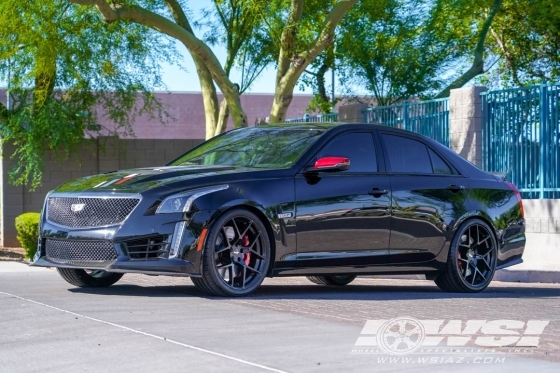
(502, 176)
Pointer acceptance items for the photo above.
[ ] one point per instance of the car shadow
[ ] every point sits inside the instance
(359, 292)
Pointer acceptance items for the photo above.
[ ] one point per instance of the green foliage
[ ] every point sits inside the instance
(415, 48)
(27, 226)
(65, 69)
(525, 40)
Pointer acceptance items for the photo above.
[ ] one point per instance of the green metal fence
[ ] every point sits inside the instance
(321, 118)
(429, 118)
(521, 136)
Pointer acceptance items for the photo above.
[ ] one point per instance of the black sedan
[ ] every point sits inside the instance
(325, 201)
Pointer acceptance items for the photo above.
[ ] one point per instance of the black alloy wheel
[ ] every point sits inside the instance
(472, 259)
(95, 278)
(236, 255)
(332, 280)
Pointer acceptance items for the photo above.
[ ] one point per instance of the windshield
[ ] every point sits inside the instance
(258, 147)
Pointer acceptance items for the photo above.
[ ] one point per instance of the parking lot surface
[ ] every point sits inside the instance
(146, 323)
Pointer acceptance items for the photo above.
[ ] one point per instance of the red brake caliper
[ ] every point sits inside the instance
(245, 243)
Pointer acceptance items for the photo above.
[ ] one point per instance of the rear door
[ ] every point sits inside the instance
(343, 217)
(428, 196)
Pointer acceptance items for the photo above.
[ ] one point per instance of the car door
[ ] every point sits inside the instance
(428, 195)
(342, 218)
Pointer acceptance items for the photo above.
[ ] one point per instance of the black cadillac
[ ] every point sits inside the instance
(325, 201)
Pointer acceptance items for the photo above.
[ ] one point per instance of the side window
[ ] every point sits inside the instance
(440, 167)
(357, 146)
(407, 155)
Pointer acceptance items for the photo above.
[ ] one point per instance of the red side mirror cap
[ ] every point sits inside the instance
(332, 164)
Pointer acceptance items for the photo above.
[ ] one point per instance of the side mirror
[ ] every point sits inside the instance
(331, 164)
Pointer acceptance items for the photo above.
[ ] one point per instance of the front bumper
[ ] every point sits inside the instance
(141, 244)
(170, 267)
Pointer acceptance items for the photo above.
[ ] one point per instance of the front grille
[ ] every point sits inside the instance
(148, 248)
(94, 212)
(81, 253)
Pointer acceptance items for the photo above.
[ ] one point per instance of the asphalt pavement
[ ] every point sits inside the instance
(163, 324)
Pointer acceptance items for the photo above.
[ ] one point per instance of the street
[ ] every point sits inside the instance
(164, 324)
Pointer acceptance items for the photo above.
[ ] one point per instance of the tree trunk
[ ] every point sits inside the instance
(114, 12)
(222, 118)
(292, 64)
(209, 97)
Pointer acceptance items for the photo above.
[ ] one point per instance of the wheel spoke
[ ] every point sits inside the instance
(256, 253)
(477, 270)
(255, 241)
(484, 240)
(236, 229)
(392, 334)
(222, 250)
(416, 330)
(408, 343)
(246, 229)
(486, 263)
(477, 233)
(244, 275)
(225, 266)
(395, 344)
(249, 268)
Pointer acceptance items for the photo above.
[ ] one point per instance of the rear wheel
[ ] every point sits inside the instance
(472, 259)
(331, 280)
(89, 278)
(236, 255)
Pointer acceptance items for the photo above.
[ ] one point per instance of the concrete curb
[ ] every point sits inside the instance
(549, 277)
(503, 275)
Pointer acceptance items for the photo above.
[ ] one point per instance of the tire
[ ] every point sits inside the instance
(236, 255)
(93, 279)
(331, 280)
(472, 259)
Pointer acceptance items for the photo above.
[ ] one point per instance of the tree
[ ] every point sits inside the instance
(477, 67)
(60, 70)
(302, 40)
(299, 43)
(396, 52)
(239, 27)
(526, 37)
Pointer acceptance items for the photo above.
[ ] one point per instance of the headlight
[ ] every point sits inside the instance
(182, 202)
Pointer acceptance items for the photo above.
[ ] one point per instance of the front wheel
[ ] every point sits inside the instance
(236, 255)
(472, 259)
(89, 278)
(331, 280)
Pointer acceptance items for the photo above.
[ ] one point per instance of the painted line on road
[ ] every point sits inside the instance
(148, 334)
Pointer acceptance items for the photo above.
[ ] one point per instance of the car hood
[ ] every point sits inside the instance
(141, 179)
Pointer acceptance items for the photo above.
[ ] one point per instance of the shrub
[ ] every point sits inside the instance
(27, 226)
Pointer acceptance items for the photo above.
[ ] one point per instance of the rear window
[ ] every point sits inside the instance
(407, 155)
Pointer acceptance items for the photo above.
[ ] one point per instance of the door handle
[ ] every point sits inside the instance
(455, 188)
(376, 192)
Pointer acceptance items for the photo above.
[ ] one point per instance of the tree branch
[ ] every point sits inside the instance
(115, 12)
(288, 38)
(477, 66)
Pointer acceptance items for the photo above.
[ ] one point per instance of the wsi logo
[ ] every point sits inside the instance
(77, 207)
(405, 335)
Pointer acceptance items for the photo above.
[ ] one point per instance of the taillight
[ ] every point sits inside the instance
(518, 195)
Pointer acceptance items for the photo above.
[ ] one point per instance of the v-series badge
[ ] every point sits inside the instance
(285, 215)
